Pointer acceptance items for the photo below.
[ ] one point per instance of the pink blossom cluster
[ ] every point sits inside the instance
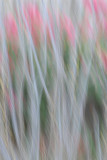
(36, 23)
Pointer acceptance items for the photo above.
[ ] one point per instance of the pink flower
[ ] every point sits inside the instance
(98, 5)
(11, 27)
(64, 24)
(34, 16)
(69, 29)
(103, 6)
(11, 32)
(104, 60)
(34, 20)
(91, 3)
(50, 29)
(87, 5)
(87, 28)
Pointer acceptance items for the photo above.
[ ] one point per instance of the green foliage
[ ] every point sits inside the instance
(44, 115)
(26, 115)
(66, 55)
